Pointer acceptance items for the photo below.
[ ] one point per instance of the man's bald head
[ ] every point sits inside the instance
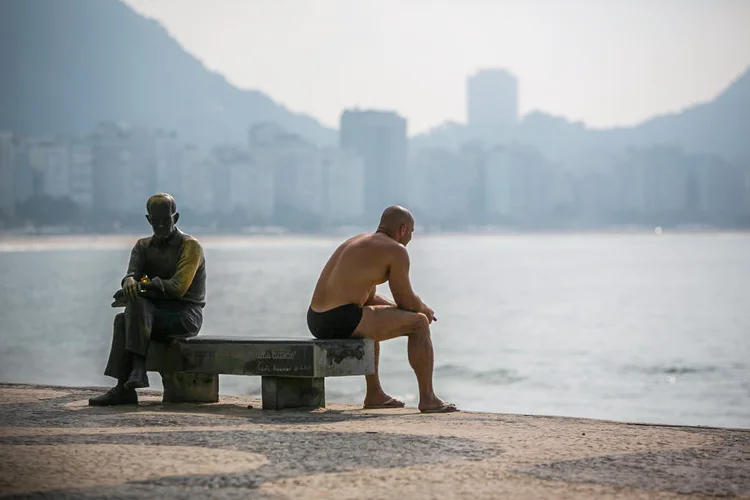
(395, 216)
(398, 223)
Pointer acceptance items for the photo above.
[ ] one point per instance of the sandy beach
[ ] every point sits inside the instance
(52, 444)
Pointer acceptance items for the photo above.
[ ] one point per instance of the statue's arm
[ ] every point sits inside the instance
(187, 265)
(137, 264)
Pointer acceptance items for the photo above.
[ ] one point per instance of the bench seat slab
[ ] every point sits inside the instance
(264, 357)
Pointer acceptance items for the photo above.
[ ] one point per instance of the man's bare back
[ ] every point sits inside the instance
(354, 270)
(344, 303)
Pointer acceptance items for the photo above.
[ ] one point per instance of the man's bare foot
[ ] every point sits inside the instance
(384, 401)
(437, 406)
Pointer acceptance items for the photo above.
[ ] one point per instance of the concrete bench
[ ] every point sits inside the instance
(292, 371)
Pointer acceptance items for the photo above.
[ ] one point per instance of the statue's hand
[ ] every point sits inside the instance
(130, 287)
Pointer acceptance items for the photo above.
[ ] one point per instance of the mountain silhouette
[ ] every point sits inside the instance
(67, 65)
(720, 126)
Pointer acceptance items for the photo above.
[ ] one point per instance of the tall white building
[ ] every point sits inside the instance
(242, 183)
(124, 168)
(492, 104)
(194, 178)
(441, 185)
(297, 171)
(379, 138)
(517, 184)
(184, 171)
(343, 180)
(325, 184)
(7, 163)
(47, 160)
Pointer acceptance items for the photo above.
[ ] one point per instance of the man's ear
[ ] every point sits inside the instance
(176, 217)
(148, 218)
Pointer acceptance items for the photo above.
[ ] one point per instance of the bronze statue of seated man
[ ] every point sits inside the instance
(163, 293)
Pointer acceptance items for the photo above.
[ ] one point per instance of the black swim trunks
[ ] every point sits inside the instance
(337, 323)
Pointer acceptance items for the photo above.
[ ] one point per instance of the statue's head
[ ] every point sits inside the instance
(162, 214)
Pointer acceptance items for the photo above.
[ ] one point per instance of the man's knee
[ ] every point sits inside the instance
(421, 323)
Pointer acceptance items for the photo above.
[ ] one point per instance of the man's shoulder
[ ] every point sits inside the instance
(385, 242)
(387, 249)
(359, 237)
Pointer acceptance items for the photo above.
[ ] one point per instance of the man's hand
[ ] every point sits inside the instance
(427, 311)
(130, 287)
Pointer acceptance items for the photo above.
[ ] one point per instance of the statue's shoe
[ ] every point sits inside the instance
(115, 396)
(137, 379)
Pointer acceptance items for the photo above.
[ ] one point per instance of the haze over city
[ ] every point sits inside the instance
(608, 63)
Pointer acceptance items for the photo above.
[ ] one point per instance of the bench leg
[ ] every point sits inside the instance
(190, 387)
(293, 392)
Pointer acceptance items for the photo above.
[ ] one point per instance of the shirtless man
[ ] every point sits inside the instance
(344, 304)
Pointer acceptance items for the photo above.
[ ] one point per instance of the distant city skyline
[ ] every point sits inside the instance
(610, 63)
(278, 180)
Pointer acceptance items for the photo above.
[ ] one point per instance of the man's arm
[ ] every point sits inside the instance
(187, 265)
(375, 299)
(400, 284)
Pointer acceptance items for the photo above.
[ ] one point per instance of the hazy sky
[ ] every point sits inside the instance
(605, 62)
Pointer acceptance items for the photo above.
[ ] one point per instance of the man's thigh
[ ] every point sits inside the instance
(387, 322)
(176, 321)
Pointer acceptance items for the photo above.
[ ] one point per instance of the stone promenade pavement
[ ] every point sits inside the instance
(52, 445)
